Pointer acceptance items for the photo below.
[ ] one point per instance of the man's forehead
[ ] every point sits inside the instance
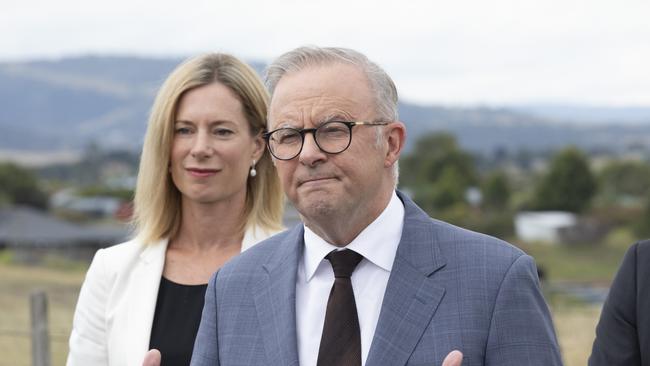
(337, 76)
(317, 110)
(336, 88)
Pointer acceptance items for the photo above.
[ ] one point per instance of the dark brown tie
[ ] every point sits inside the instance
(340, 344)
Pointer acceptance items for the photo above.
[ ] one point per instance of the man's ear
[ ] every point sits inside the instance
(396, 137)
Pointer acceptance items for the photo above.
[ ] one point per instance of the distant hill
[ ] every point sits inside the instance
(486, 129)
(588, 114)
(67, 104)
(70, 103)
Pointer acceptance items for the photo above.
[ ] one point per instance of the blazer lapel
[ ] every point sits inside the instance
(275, 301)
(143, 290)
(412, 295)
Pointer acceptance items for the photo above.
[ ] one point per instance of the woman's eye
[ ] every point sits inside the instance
(223, 132)
(183, 130)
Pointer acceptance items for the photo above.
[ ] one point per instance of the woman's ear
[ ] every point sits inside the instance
(259, 146)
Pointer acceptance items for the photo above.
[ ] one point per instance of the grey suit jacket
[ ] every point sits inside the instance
(623, 332)
(449, 289)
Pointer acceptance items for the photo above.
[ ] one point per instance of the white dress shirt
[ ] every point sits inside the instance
(378, 244)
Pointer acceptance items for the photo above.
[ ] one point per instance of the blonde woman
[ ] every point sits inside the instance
(206, 191)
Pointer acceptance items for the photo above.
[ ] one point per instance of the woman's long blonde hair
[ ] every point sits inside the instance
(157, 202)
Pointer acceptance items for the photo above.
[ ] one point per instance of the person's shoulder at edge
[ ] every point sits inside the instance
(620, 324)
(455, 235)
(118, 258)
(456, 242)
(633, 263)
(89, 324)
(642, 248)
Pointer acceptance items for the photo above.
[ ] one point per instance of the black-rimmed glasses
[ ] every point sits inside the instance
(331, 137)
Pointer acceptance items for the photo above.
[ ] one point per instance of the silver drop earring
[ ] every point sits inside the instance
(253, 172)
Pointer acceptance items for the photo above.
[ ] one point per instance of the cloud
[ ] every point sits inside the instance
(501, 51)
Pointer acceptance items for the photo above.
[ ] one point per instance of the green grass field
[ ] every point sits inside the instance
(589, 262)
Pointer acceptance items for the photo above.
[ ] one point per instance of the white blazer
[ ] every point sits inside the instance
(114, 315)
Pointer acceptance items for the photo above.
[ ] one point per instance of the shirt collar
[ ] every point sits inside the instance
(377, 243)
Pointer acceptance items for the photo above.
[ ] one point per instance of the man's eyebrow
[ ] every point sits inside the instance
(286, 124)
(338, 116)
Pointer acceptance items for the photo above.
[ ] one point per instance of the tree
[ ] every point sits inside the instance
(569, 184)
(20, 186)
(621, 179)
(438, 172)
(641, 226)
(496, 191)
(447, 191)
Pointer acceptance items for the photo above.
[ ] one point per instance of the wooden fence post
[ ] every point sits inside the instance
(40, 333)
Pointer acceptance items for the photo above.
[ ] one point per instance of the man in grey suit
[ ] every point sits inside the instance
(369, 279)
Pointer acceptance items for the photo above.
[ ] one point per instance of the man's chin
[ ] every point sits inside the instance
(313, 207)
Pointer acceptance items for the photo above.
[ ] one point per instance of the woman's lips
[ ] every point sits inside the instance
(202, 173)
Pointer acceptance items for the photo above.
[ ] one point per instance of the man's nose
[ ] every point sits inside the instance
(311, 154)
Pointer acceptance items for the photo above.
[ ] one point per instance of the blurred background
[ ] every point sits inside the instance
(527, 120)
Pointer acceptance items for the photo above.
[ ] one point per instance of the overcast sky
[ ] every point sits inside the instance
(458, 52)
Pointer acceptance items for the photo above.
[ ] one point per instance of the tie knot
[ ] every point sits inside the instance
(344, 262)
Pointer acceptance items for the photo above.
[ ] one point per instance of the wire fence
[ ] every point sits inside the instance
(38, 336)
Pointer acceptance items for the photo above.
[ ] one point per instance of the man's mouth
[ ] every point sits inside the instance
(316, 180)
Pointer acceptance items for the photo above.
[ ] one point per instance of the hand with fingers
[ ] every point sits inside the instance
(454, 358)
(153, 357)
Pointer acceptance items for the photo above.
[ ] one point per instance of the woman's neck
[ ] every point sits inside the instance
(206, 226)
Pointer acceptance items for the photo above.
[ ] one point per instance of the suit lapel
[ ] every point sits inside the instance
(275, 301)
(143, 292)
(412, 295)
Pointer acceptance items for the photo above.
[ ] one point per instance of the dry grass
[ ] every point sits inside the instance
(16, 283)
(575, 327)
(575, 324)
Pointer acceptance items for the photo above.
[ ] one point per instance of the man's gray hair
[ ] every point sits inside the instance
(300, 58)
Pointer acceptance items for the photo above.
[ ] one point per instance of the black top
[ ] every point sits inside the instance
(176, 321)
